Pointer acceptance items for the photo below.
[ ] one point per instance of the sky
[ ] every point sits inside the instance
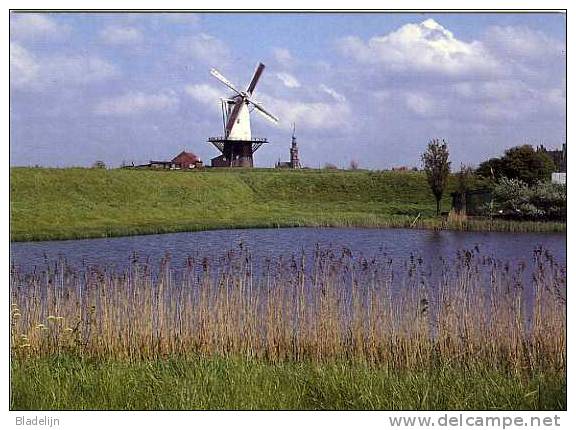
(370, 87)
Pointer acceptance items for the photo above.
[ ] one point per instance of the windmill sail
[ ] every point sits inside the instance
(260, 109)
(225, 81)
(255, 78)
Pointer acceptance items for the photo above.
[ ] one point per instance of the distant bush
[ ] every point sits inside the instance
(330, 166)
(515, 199)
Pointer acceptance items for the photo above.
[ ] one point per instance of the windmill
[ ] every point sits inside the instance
(237, 145)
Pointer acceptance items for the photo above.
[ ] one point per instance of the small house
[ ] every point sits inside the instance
(186, 160)
(183, 161)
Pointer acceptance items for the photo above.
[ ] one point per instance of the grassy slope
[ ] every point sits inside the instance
(82, 203)
(75, 203)
(73, 383)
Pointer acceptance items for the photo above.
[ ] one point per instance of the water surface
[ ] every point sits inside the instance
(274, 243)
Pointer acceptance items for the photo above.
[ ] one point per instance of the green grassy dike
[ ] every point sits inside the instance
(75, 203)
(63, 383)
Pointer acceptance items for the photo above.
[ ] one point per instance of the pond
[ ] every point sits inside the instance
(275, 243)
(285, 272)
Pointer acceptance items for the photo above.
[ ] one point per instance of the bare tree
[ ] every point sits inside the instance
(437, 167)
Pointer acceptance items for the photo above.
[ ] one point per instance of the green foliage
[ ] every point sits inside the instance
(437, 167)
(71, 383)
(465, 179)
(515, 199)
(50, 204)
(492, 168)
(81, 203)
(520, 162)
(552, 199)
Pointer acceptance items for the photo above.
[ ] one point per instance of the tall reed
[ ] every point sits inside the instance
(332, 305)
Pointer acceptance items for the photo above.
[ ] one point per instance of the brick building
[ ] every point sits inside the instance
(183, 161)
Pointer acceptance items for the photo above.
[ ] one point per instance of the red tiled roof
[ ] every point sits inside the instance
(186, 158)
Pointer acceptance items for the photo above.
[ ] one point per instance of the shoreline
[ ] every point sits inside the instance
(476, 225)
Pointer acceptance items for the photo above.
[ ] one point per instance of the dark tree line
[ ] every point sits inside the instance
(520, 162)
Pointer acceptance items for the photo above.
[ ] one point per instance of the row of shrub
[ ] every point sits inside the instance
(515, 199)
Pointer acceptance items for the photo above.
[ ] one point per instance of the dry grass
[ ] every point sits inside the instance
(471, 310)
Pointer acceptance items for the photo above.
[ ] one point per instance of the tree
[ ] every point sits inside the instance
(464, 182)
(492, 168)
(437, 167)
(464, 178)
(354, 165)
(519, 162)
(522, 162)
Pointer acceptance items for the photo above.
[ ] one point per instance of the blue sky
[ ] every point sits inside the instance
(374, 88)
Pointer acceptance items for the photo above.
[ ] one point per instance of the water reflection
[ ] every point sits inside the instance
(274, 243)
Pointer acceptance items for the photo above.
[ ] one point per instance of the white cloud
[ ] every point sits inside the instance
(283, 56)
(419, 103)
(207, 95)
(115, 35)
(423, 73)
(423, 47)
(37, 73)
(28, 26)
(333, 93)
(80, 69)
(23, 67)
(136, 103)
(288, 80)
(504, 90)
(313, 115)
(205, 48)
(556, 97)
(522, 42)
(509, 99)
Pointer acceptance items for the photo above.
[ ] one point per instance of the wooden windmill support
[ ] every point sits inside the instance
(235, 153)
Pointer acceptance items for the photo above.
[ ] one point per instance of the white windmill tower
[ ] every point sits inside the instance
(237, 145)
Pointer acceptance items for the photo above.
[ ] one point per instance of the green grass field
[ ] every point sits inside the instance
(81, 203)
(217, 383)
